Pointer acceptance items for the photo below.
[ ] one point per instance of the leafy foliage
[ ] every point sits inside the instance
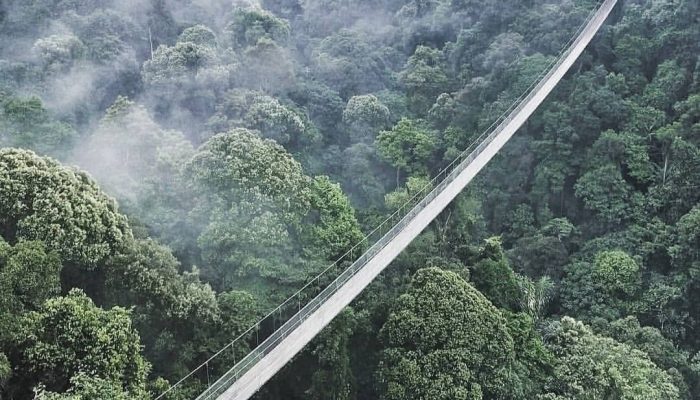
(590, 366)
(63, 207)
(407, 146)
(251, 145)
(69, 335)
(444, 340)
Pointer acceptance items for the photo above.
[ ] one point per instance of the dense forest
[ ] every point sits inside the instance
(170, 170)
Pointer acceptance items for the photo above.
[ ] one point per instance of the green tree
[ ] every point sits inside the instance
(617, 271)
(60, 206)
(365, 115)
(280, 123)
(175, 313)
(323, 105)
(199, 35)
(59, 52)
(535, 295)
(547, 250)
(108, 35)
(533, 361)
(629, 151)
(661, 350)
(494, 277)
(687, 240)
(685, 258)
(239, 161)
(178, 63)
(424, 77)
(70, 335)
(249, 243)
(29, 275)
(332, 226)
(667, 87)
(408, 146)
(238, 311)
(444, 340)
(589, 366)
(416, 188)
(605, 192)
(259, 214)
(333, 379)
(348, 62)
(24, 122)
(503, 51)
(644, 119)
(249, 26)
(609, 287)
(85, 387)
(253, 196)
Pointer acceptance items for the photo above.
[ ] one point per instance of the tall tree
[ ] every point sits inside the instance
(70, 335)
(589, 366)
(63, 207)
(445, 340)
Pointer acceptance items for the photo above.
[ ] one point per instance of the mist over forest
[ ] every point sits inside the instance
(171, 170)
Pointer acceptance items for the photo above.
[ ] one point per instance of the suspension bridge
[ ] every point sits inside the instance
(301, 317)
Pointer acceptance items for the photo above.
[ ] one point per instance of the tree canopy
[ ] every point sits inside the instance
(172, 170)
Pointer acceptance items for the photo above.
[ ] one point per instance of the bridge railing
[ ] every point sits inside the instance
(290, 314)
